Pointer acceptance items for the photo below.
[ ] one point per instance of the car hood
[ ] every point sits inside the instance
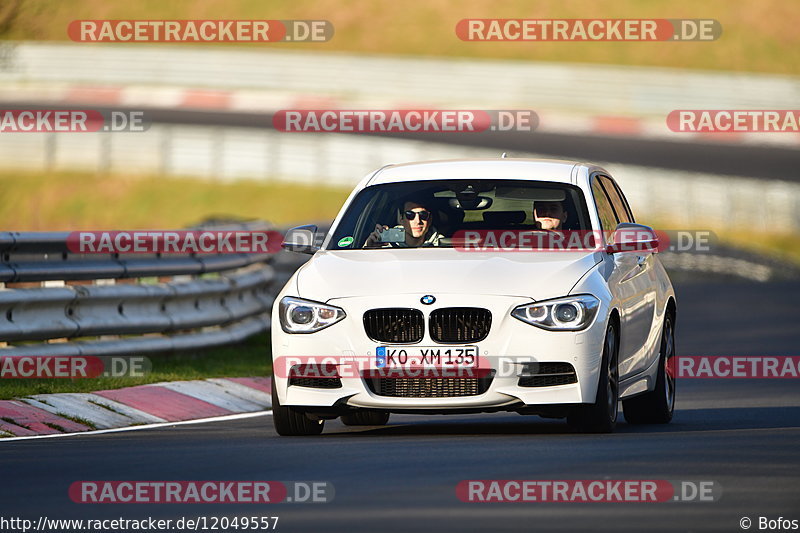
(354, 273)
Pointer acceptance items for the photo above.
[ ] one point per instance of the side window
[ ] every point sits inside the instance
(625, 201)
(604, 210)
(617, 202)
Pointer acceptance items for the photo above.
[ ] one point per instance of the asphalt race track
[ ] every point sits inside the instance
(742, 434)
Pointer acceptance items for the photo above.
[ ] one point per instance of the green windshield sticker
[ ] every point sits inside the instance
(345, 241)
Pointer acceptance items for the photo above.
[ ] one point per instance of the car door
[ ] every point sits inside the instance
(650, 343)
(631, 281)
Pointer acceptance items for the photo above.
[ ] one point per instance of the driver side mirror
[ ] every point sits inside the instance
(301, 239)
(629, 237)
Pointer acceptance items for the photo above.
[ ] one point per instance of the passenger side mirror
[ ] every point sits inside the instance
(301, 239)
(629, 237)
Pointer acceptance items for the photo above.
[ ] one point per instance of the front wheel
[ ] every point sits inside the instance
(289, 422)
(601, 416)
(657, 406)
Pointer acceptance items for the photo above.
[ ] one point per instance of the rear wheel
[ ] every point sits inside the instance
(657, 406)
(601, 416)
(366, 418)
(290, 422)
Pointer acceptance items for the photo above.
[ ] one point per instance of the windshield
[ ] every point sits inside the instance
(424, 214)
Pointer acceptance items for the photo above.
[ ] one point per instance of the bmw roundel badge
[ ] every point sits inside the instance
(428, 299)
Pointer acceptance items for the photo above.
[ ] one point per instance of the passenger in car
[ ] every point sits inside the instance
(416, 220)
(549, 215)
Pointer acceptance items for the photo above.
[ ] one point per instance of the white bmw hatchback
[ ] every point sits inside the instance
(472, 286)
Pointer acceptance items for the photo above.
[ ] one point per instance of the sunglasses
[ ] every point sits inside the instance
(423, 215)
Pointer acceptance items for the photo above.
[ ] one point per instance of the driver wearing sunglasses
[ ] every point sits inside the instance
(417, 221)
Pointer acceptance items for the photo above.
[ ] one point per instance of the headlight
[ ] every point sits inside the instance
(571, 313)
(304, 316)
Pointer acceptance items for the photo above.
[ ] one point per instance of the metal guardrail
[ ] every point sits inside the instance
(155, 303)
(44, 257)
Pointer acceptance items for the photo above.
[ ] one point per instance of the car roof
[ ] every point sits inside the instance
(511, 169)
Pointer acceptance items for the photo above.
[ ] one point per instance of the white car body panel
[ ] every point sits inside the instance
(446, 270)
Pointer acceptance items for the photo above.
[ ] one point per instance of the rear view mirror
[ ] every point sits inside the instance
(536, 194)
(470, 203)
(301, 239)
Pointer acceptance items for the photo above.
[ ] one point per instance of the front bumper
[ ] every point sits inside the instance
(510, 343)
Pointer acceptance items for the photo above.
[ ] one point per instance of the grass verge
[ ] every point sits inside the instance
(72, 201)
(248, 359)
(785, 247)
(756, 36)
(779, 246)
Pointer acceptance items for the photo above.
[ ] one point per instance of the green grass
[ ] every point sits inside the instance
(758, 36)
(780, 246)
(78, 420)
(248, 359)
(785, 247)
(71, 201)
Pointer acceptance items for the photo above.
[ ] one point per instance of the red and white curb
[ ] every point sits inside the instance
(252, 101)
(159, 403)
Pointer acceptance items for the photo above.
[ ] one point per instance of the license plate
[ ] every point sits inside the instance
(426, 357)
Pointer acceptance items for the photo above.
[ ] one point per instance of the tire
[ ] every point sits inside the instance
(290, 422)
(657, 406)
(365, 418)
(601, 416)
